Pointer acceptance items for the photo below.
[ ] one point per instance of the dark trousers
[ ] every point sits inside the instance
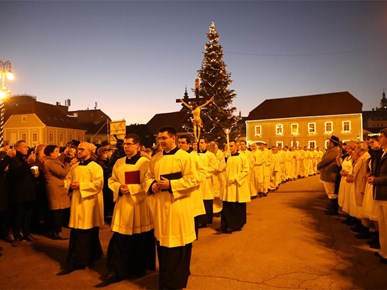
(84, 247)
(206, 219)
(233, 215)
(22, 219)
(5, 223)
(174, 264)
(56, 220)
(129, 256)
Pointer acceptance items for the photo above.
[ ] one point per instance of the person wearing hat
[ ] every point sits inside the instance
(103, 160)
(379, 181)
(329, 171)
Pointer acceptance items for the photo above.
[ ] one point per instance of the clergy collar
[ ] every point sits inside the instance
(85, 162)
(235, 154)
(204, 151)
(171, 152)
(133, 159)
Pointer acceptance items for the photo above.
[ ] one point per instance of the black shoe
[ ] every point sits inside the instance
(357, 228)
(69, 269)
(110, 278)
(375, 245)
(331, 212)
(349, 221)
(363, 235)
(352, 221)
(58, 236)
(15, 243)
(29, 238)
(223, 231)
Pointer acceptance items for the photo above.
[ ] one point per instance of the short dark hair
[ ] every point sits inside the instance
(203, 138)
(171, 131)
(186, 137)
(384, 132)
(49, 149)
(135, 137)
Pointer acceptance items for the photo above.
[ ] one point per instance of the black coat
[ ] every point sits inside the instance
(380, 181)
(20, 180)
(4, 162)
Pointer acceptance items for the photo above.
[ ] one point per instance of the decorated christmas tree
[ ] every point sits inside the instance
(219, 114)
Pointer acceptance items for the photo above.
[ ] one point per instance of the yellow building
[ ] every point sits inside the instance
(39, 123)
(306, 120)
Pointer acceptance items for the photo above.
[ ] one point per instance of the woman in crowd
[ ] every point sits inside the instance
(370, 206)
(346, 163)
(58, 200)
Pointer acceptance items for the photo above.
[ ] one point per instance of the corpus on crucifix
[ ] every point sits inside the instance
(197, 120)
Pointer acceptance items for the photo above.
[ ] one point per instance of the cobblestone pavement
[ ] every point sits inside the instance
(287, 243)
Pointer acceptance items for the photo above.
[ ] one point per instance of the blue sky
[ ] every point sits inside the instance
(134, 58)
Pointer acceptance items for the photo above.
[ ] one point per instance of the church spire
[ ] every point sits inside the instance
(383, 102)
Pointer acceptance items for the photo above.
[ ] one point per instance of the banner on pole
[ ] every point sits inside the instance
(117, 130)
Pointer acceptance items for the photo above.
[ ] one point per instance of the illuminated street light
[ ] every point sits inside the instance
(6, 73)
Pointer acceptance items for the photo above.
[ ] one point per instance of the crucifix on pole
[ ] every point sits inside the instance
(195, 107)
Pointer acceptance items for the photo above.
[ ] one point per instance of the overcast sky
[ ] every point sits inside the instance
(134, 58)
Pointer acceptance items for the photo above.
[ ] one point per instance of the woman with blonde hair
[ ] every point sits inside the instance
(346, 163)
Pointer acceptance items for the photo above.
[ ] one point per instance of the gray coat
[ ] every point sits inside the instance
(55, 173)
(328, 167)
(380, 181)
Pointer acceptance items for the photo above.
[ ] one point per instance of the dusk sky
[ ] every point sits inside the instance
(135, 58)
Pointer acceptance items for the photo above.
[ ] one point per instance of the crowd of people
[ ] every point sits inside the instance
(156, 202)
(354, 175)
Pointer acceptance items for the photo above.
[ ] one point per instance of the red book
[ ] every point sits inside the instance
(132, 177)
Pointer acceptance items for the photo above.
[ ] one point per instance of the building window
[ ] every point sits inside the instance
(328, 127)
(326, 144)
(294, 129)
(50, 138)
(34, 137)
(346, 126)
(294, 144)
(258, 130)
(279, 129)
(23, 136)
(79, 137)
(311, 144)
(24, 120)
(312, 128)
(61, 139)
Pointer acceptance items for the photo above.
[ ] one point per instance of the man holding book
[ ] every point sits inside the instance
(131, 249)
(170, 181)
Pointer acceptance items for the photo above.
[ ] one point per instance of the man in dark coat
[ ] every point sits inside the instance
(329, 170)
(379, 180)
(5, 157)
(22, 193)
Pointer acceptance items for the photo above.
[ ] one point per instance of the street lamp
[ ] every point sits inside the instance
(6, 73)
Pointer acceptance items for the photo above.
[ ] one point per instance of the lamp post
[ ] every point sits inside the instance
(6, 73)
